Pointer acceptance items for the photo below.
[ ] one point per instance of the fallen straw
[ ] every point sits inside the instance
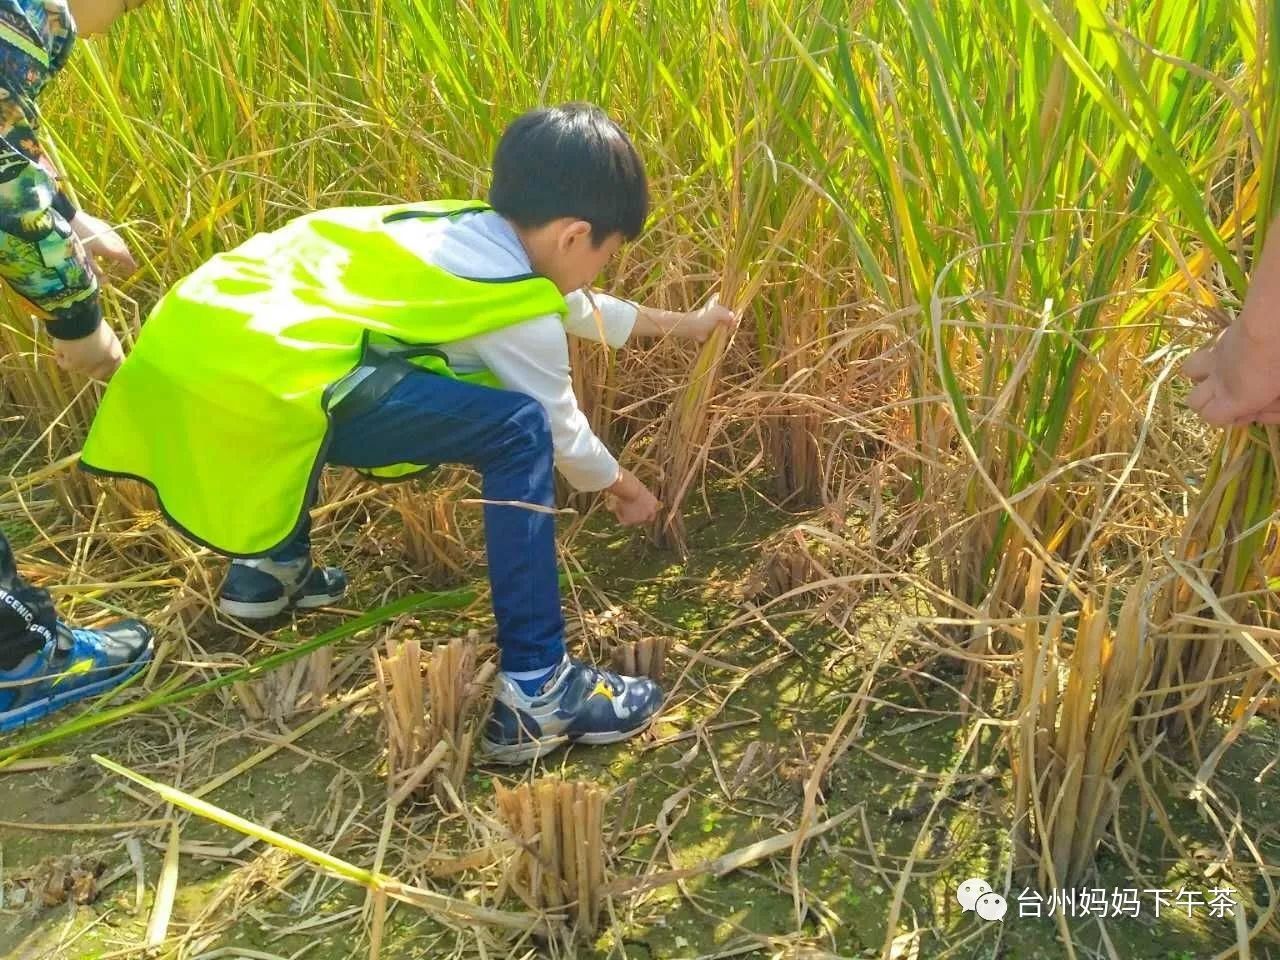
(728, 862)
(427, 900)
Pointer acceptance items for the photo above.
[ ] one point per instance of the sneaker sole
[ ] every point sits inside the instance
(318, 600)
(23, 716)
(265, 610)
(514, 753)
(529, 750)
(244, 610)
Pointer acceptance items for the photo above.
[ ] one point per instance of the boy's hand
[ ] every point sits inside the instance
(701, 323)
(695, 325)
(630, 500)
(101, 241)
(97, 356)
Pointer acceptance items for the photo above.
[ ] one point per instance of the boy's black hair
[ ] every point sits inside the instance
(570, 161)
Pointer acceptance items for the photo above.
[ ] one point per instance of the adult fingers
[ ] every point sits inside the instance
(1201, 395)
(1220, 412)
(1199, 365)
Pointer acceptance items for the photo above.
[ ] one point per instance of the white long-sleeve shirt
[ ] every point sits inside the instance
(530, 357)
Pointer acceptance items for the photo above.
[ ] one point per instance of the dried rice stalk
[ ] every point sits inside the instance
(454, 688)
(1077, 711)
(288, 690)
(429, 532)
(129, 499)
(402, 694)
(646, 657)
(561, 857)
(786, 563)
(428, 707)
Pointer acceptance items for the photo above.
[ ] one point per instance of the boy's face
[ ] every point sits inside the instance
(563, 252)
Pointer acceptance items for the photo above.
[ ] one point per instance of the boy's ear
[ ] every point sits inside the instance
(575, 232)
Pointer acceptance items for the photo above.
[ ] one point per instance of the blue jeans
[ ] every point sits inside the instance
(429, 419)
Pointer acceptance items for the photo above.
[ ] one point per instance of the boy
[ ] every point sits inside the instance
(390, 339)
(47, 248)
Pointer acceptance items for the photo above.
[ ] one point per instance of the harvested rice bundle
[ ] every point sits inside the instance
(560, 862)
(429, 708)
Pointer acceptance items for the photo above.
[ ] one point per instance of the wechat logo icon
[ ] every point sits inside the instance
(976, 894)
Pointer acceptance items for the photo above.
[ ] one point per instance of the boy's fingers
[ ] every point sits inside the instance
(1268, 414)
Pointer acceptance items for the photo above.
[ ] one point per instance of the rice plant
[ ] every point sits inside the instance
(1225, 561)
(1022, 213)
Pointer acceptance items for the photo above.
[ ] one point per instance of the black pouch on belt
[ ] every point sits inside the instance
(381, 368)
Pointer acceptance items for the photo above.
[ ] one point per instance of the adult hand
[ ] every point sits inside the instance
(97, 356)
(1237, 378)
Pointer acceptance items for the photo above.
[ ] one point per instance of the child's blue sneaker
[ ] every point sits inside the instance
(580, 703)
(76, 664)
(260, 589)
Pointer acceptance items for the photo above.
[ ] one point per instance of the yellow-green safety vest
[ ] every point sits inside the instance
(223, 406)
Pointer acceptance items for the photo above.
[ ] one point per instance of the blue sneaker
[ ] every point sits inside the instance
(261, 589)
(579, 703)
(76, 664)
